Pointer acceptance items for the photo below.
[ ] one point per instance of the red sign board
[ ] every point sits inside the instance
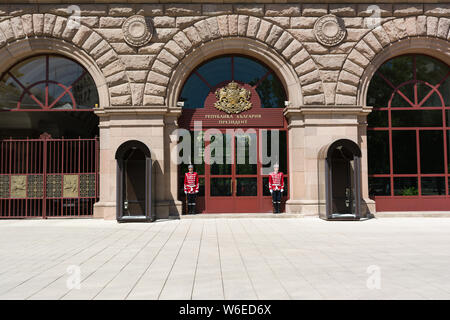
(210, 116)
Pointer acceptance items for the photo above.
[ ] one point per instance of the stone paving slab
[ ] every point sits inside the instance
(225, 258)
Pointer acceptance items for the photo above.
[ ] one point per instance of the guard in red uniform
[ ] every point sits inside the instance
(276, 187)
(191, 188)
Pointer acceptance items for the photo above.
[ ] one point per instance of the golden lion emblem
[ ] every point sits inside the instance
(232, 98)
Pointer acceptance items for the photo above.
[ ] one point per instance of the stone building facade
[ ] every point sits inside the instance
(325, 72)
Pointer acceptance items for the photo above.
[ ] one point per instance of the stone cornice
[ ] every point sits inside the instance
(163, 111)
(331, 109)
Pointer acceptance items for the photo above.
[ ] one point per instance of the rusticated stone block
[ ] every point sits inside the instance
(49, 23)
(368, 10)
(60, 25)
(283, 22)
(274, 35)
(432, 25)
(17, 27)
(164, 34)
(100, 49)
(242, 25)
(264, 28)
(421, 25)
(437, 9)
(91, 42)
(330, 61)
(253, 25)
(154, 89)
(117, 10)
(183, 9)
(311, 77)
(313, 88)
(158, 78)
(217, 9)
(343, 10)
(443, 27)
(137, 93)
(167, 58)
(106, 58)
(111, 22)
(111, 35)
(345, 100)
(181, 39)
(349, 78)
(233, 25)
(299, 57)
(292, 49)
(314, 9)
(137, 62)
(318, 99)
(381, 36)
(82, 34)
(137, 75)
(365, 50)
(175, 49)
(284, 10)
(373, 43)
(162, 68)
(407, 9)
(283, 41)
(213, 27)
(305, 67)
(250, 9)
(116, 79)
(149, 9)
(222, 22)
(203, 30)
(358, 58)
(121, 101)
(27, 23)
(303, 22)
(183, 22)
(193, 36)
(164, 22)
(38, 24)
(153, 100)
(119, 90)
(353, 68)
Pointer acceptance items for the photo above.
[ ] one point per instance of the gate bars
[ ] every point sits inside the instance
(46, 177)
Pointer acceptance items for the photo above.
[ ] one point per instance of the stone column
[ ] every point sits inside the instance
(311, 128)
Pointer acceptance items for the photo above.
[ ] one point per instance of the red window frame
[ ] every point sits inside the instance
(414, 202)
(46, 105)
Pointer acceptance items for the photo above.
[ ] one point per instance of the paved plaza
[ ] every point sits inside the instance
(226, 258)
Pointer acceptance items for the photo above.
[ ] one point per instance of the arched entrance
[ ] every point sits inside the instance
(49, 146)
(408, 135)
(340, 180)
(133, 181)
(233, 108)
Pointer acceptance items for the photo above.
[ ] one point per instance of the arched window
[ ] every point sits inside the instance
(409, 129)
(208, 76)
(47, 83)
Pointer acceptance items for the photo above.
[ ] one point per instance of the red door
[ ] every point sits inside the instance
(232, 181)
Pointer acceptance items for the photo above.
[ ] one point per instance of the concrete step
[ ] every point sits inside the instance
(413, 214)
(240, 215)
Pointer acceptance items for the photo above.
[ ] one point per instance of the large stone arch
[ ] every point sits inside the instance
(417, 34)
(279, 49)
(28, 34)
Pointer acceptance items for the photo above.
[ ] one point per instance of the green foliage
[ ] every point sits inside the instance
(411, 191)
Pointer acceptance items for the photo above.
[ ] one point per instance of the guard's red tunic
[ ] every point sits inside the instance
(191, 182)
(276, 181)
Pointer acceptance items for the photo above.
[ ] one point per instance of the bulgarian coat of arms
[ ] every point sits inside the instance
(233, 99)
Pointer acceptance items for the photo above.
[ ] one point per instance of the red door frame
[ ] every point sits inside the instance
(234, 203)
(419, 202)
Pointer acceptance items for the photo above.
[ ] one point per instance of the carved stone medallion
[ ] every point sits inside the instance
(137, 31)
(329, 30)
(233, 99)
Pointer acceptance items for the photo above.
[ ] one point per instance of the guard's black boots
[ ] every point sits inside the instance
(274, 207)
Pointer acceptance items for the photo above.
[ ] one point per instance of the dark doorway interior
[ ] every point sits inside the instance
(342, 182)
(134, 188)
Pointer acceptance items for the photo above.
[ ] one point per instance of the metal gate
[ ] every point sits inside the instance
(48, 178)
